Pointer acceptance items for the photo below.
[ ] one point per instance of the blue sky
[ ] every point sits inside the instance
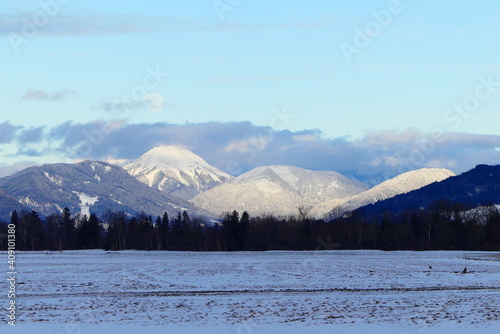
(241, 61)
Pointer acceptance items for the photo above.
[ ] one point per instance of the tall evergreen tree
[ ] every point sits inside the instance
(164, 230)
(94, 233)
(23, 231)
(243, 228)
(188, 234)
(68, 230)
(177, 231)
(83, 232)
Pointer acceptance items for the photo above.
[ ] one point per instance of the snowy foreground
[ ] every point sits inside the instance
(260, 292)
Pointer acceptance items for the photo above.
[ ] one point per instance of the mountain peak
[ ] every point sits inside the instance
(88, 187)
(176, 170)
(400, 184)
(172, 153)
(278, 190)
(477, 187)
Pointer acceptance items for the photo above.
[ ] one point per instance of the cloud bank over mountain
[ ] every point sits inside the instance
(237, 147)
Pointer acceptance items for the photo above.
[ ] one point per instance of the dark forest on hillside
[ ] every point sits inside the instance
(442, 226)
(478, 187)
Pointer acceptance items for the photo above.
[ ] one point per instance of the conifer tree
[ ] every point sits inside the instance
(164, 230)
(68, 230)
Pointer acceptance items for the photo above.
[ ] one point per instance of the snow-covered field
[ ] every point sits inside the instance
(256, 292)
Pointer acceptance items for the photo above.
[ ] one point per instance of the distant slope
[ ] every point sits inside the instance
(177, 171)
(89, 185)
(9, 204)
(399, 185)
(277, 190)
(479, 186)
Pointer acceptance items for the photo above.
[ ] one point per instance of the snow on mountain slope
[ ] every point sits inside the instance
(177, 171)
(278, 190)
(399, 185)
(86, 202)
(86, 187)
(9, 204)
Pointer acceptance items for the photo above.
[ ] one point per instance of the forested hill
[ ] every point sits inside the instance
(9, 204)
(479, 186)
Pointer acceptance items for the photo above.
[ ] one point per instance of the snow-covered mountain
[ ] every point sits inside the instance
(177, 171)
(399, 185)
(88, 186)
(278, 190)
(9, 204)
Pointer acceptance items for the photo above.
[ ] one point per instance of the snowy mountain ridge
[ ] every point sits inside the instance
(278, 190)
(177, 171)
(162, 178)
(398, 185)
(87, 187)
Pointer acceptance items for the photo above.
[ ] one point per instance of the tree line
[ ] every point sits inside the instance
(442, 226)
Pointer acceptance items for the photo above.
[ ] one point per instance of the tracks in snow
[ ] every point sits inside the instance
(196, 293)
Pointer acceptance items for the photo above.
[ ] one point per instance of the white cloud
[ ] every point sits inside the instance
(378, 155)
(305, 138)
(41, 95)
(248, 144)
(12, 169)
